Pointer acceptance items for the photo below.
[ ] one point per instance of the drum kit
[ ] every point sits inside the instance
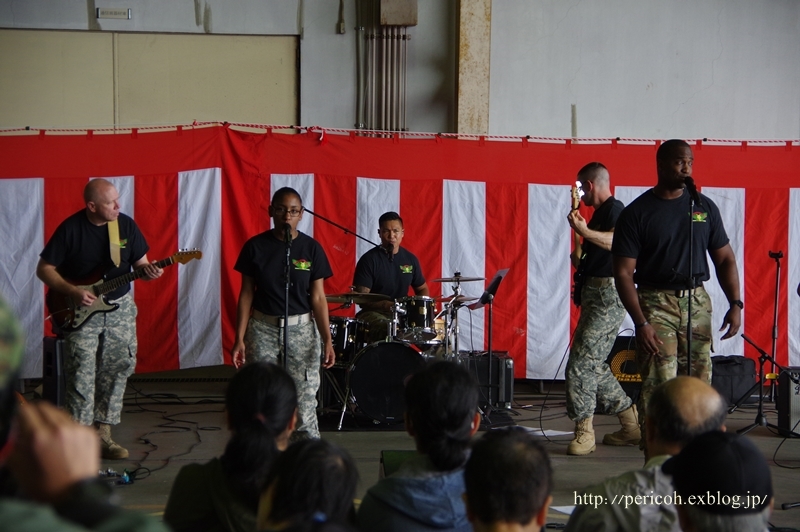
(375, 374)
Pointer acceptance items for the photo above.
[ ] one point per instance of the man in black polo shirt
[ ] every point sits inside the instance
(389, 270)
(589, 381)
(655, 279)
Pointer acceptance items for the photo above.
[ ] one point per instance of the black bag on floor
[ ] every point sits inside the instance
(732, 376)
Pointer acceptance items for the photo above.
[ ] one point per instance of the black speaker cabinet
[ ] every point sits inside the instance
(53, 381)
(789, 399)
(732, 376)
(622, 361)
(501, 392)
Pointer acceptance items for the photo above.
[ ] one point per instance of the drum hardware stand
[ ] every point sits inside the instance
(761, 419)
(777, 255)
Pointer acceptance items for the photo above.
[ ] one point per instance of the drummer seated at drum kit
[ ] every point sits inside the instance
(390, 270)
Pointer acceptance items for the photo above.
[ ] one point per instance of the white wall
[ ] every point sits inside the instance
(646, 68)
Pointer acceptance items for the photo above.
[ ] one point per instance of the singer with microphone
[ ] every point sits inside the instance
(261, 317)
(655, 277)
(388, 269)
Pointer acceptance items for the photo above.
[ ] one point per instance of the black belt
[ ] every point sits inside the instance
(671, 291)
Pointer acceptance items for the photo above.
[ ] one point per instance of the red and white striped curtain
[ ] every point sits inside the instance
(473, 206)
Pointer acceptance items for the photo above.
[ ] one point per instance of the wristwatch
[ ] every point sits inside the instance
(738, 302)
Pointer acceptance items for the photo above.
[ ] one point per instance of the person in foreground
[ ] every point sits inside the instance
(508, 480)
(426, 492)
(656, 278)
(223, 494)
(724, 484)
(309, 488)
(101, 354)
(54, 461)
(260, 326)
(590, 385)
(680, 410)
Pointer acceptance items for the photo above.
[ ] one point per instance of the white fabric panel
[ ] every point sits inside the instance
(199, 300)
(627, 195)
(549, 279)
(793, 263)
(464, 250)
(304, 185)
(22, 208)
(731, 207)
(125, 186)
(374, 197)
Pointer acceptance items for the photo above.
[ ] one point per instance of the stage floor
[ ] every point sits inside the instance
(174, 418)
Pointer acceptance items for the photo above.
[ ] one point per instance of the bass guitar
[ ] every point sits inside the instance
(68, 316)
(577, 277)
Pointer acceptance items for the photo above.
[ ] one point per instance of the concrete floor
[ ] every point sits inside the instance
(171, 419)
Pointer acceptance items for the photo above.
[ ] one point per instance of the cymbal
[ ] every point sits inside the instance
(359, 298)
(458, 299)
(458, 279)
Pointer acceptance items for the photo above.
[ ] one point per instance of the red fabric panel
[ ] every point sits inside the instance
(421, 210)
(506, 208)
(765, 208)
(155, 198)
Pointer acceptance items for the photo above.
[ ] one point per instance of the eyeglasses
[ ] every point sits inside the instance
(280, 211)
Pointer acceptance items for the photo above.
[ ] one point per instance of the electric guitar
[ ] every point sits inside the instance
(68, 316)
(577, 277)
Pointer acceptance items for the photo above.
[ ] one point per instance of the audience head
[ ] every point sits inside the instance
(678, 411)
(442, 413)
(311, 483)
(723, 482)
(261, 403)
(508, 480)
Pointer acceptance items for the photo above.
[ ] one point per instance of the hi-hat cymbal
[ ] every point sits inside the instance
(456, 299)
(458, 279)
(359, 298)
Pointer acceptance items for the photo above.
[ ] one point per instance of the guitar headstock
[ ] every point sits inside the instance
(187, 255)
(577, 194)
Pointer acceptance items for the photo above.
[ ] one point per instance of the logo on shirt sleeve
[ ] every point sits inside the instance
(302, 264)
(699, 216)
(406, 268)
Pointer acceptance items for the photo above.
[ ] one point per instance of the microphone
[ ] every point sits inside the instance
(389, 249)
(693, 190)
(287, 234)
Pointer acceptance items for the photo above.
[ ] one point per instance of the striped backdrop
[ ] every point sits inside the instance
(468, 206)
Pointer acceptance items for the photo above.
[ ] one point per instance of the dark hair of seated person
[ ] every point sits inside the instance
(441, 402)
(310, 487)
(261, 401)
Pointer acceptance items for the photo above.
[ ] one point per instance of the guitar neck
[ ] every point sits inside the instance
(112, 284)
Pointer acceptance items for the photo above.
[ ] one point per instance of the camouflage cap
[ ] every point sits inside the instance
(11, 343)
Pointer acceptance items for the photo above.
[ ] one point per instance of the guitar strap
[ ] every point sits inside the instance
(113, 240)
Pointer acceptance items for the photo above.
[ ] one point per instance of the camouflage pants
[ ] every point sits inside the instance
(265, 342)
(669, 316)
(589, 381)
(377, 325)
(100, 357)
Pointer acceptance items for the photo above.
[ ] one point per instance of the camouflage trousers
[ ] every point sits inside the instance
(589, 381)
(669, 316)
(265, 342)
(100, 356)
(377, 325)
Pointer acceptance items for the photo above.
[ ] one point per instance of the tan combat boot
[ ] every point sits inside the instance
(583, 443)
(630, 433)
(109, 450)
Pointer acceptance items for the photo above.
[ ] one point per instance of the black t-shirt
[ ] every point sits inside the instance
(263, 258)
(376, 272)
(80, 250)
(597, 261)
(655, 231)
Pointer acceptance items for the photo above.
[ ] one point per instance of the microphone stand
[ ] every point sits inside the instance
(287, 239)
(690, 281)
(343, 228)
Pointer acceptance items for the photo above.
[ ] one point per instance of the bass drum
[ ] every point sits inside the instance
(377, 379)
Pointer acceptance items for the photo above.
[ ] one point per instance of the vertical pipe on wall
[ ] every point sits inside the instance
(359, 66)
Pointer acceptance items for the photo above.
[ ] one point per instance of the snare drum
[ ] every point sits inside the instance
(415, 320)
(377, 379)
(348, 336)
